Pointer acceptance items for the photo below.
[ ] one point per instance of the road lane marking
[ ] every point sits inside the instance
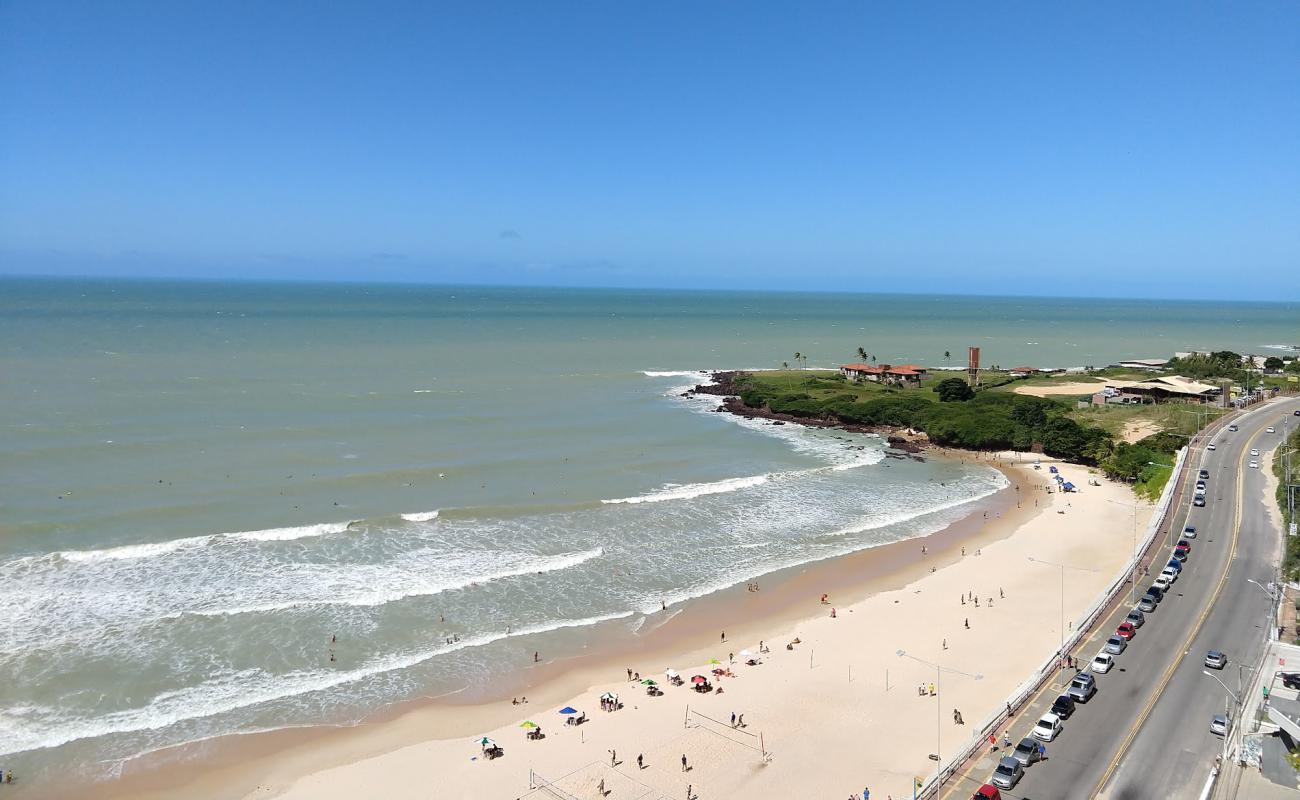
(1187, 646)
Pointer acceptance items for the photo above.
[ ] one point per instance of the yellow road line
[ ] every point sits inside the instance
(1169, 673)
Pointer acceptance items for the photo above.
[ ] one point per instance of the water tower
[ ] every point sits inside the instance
(973, 365)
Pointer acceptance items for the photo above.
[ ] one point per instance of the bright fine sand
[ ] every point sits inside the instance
(1049, 389)
(828, 720)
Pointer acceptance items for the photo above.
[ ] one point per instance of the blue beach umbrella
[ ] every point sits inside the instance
(568, 710)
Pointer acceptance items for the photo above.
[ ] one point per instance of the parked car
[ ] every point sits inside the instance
(1164, 580)
(1176, 565)
(1219, 725)
(1126, 631)
(1136, 618)
(1180, 554)
(1253, 465)
(1102, 662)
(1205, 473)
(1254, 451)
(1183, 543)
(1047, 728)
(1291, 680)
(1189, 531)
(1008, 773)
(1147, 603)
(1216, 660)
(1116, 644)
(1026, 752)
(987, 792)
(1082, 687)
(1156, 592)
(1063, 706)
(1199, 502)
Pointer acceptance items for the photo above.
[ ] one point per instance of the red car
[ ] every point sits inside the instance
(987, 792)
(1126, 630)
(1185, 544)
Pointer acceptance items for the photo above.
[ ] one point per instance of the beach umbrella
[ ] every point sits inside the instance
(568, 710)
(714, 661)
(670, 672)
(485, 741)
(528, 724)
(699, 679)
(650, 682)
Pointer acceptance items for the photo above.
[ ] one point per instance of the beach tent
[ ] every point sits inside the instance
(568, 710)
(610, 696)
(670, 673)
(1051, 469)
(1069, 487)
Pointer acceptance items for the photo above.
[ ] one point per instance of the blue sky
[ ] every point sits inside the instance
(1145, 149)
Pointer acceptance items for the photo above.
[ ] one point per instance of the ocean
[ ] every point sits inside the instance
(204, 482)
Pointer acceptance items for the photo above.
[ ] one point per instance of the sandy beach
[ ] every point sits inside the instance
(841, 699)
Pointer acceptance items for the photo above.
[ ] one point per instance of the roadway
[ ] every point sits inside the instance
(1145, 734)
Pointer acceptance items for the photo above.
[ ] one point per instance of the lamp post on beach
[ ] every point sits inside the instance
(1063, 568)
(938, 702)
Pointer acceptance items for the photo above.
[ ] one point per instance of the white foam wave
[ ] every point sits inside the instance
(392, 589)
(692, 490)
(154, 549)
(649, 373)
(421, 516)
(35, 728)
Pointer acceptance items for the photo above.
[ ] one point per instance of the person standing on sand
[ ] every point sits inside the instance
(536, 657)
(724, 636)
(629, 673)
(613, 758)
(684, 768)
(733, 719)
(689, 793)
(640, 761)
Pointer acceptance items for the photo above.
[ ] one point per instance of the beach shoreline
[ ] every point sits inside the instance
(237, 765)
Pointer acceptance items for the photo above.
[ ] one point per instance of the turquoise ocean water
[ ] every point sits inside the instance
(203, 482)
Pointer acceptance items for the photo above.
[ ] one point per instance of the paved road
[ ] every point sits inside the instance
(1158, 731)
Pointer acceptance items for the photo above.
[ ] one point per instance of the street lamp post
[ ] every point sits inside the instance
(938, 703)
(1132, 588)
(1227, 709)
(1063, 568)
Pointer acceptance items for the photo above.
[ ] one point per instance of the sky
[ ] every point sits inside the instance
(1100, 149)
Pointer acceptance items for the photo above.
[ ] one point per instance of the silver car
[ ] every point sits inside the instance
(1008, 773)
(1216, 660)
(1026, 752)
(1115, 645)
(1082, 687)
(1136, 618)
(1219, 725)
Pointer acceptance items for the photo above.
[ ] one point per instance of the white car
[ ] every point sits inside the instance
(1163, 581)
(1254, 465)
(1254, 452)
(1169, 574)
(1210, 446)
(1269, 429)
(1102, 663)
(1047, 728)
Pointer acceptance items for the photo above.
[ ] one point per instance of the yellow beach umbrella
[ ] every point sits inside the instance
(528, 724)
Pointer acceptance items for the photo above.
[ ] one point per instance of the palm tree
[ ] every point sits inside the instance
(797, 356)
(785, 365)
(862, 354)
(947, 358)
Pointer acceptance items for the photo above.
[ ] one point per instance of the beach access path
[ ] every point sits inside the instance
(838, 713)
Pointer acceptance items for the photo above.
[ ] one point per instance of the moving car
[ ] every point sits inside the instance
(1253, 465)
(1189, 531)
(1210, 446)
(1063, 706)
(1219, 725)
(1127, 631)
(1199, 502)
(1116, 644)
(1082, 687)
(1008, 773)
(1296, 412)
(1026, 752)
(1102, 662)
(1205, 473)
(1232, 427)
(1136, 618)
(1216, 660)
(1047, 727)
(1270, 429)
(1254, 451)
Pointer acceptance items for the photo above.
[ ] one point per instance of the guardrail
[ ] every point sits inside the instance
(1049, 667)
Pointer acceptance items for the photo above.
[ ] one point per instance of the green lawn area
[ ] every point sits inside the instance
(823, 384)
(1174, 417)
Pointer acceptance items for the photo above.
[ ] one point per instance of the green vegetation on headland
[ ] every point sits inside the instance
(1291, 562)
(951, 414)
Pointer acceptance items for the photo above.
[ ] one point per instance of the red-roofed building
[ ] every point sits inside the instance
(903, 375)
